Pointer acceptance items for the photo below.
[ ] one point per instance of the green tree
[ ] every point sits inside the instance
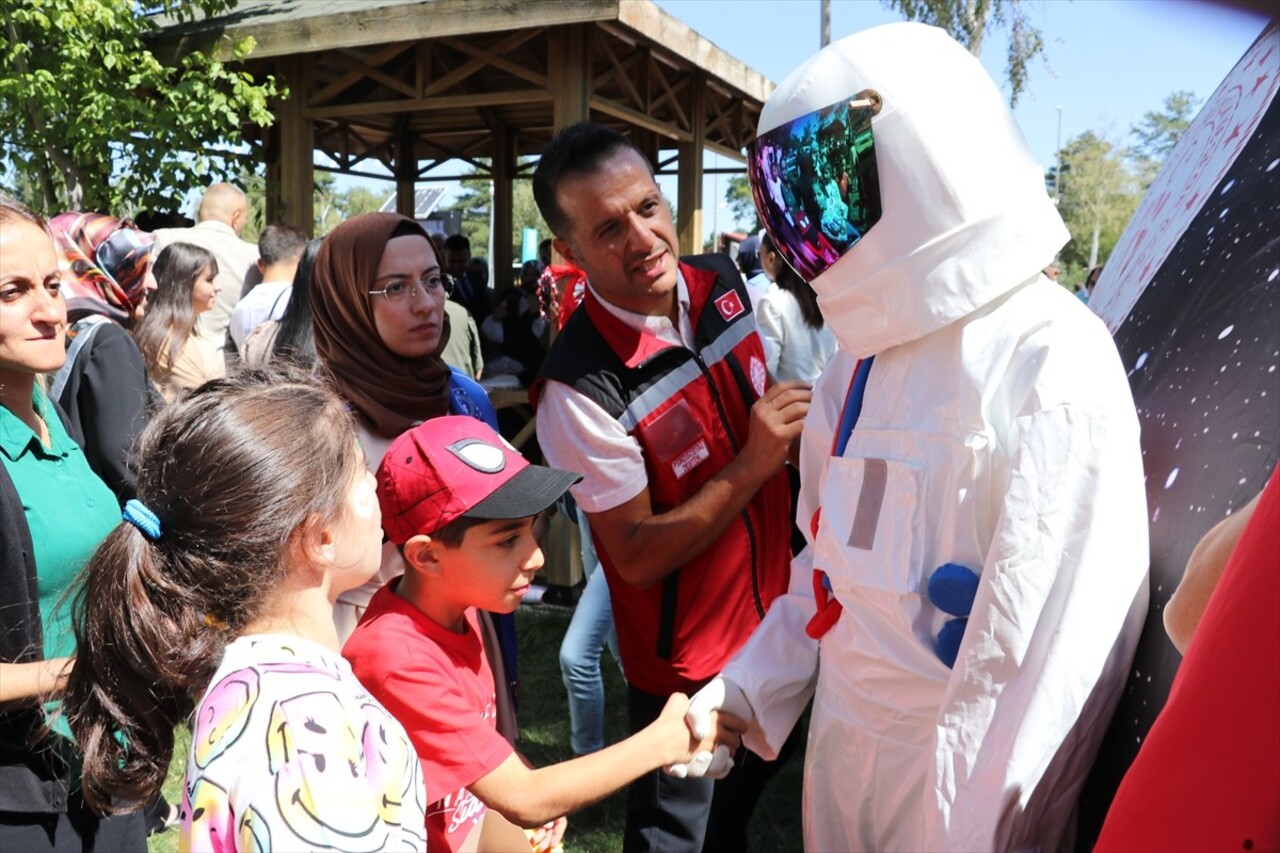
(324, 202)
(968, 21)
(361, 199)
(97, 122)
(1158, 133)
(476, 201)
(1097, 195)
(334, 206)
(254, 184)
(738, 195)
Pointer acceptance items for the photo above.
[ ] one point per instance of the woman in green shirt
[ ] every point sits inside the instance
(53, 513)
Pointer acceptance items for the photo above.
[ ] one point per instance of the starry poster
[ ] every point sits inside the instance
(1191, 294)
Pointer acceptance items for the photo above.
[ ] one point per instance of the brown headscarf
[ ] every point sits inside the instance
(390, 392)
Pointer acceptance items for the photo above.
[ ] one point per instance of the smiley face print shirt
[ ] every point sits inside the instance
(289, 752)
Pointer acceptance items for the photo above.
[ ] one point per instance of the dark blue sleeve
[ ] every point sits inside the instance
(467, 397)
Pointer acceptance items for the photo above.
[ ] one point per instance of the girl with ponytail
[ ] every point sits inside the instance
(211, 604)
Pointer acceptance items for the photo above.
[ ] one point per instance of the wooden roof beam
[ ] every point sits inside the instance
(354, 76)
(639, 119)
(669, 94)
(369, 72)
(477, 63)
(292, 29)
(621, 74)
(443, 102)
(497, 61)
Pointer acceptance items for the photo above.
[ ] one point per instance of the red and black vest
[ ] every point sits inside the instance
(689, 411)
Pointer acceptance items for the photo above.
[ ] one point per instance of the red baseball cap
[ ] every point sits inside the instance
(452, 466)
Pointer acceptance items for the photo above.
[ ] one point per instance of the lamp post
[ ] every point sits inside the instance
(715, 202)
(1057, 170)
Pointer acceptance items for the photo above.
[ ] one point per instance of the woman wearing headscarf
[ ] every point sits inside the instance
(377, 300)
(103, 387)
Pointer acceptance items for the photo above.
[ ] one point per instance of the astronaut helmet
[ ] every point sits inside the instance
(892, 176)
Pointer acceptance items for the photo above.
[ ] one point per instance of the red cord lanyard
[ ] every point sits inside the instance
(829, 608)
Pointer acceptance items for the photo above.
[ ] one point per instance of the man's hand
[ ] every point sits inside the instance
(776, 421)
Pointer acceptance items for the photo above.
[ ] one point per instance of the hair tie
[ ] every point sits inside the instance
(212, 621)
(137, 514)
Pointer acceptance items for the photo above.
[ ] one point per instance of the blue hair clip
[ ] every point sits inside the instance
(137, 514)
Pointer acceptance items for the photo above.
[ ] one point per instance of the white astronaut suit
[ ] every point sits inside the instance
(997, 432)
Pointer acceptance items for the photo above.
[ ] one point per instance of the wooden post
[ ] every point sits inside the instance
(291, 197)
(648, 142)
(569, 73)
(406, 172)
(689, 205)
(503, 167)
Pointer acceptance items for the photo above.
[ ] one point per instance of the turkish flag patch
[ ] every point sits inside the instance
(729, 305)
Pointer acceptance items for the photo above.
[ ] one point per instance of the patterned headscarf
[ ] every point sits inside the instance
(390, 392)
(106, 261)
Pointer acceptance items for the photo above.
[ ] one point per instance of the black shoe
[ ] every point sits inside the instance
(160, 815)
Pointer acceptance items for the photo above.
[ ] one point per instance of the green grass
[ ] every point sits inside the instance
(544, 739)
(167, 841)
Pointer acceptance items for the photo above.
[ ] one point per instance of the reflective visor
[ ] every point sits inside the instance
(815, 184)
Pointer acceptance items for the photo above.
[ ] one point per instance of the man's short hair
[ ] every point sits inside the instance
(458, 243)
(478, 270)
(280, 242)
(576, 150)
(749, 256)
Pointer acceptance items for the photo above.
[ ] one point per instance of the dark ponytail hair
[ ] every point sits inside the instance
(171, 317)
(295, 336)
(790, 281)
(233, 471)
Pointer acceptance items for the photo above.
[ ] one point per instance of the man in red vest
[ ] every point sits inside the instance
(657, 392)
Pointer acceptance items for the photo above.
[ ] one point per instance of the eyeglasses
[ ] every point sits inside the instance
(401, 293)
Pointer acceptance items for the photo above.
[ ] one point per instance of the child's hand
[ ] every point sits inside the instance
(674, 743)
(547, 838)
(679, 747)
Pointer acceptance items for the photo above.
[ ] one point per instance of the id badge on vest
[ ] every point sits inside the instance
(677, 440)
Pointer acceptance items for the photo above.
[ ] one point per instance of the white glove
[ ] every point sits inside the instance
(712, 765)
(720, 694)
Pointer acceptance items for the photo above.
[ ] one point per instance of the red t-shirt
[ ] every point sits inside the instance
(439, 686)
(1208, 775)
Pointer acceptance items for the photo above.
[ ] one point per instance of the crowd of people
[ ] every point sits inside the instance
(259, 491)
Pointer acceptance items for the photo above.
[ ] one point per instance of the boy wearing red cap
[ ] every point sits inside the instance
(461, 503)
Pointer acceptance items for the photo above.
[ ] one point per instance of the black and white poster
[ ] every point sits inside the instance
(1192, 296)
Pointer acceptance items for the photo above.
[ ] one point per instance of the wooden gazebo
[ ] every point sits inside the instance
(414, 84)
